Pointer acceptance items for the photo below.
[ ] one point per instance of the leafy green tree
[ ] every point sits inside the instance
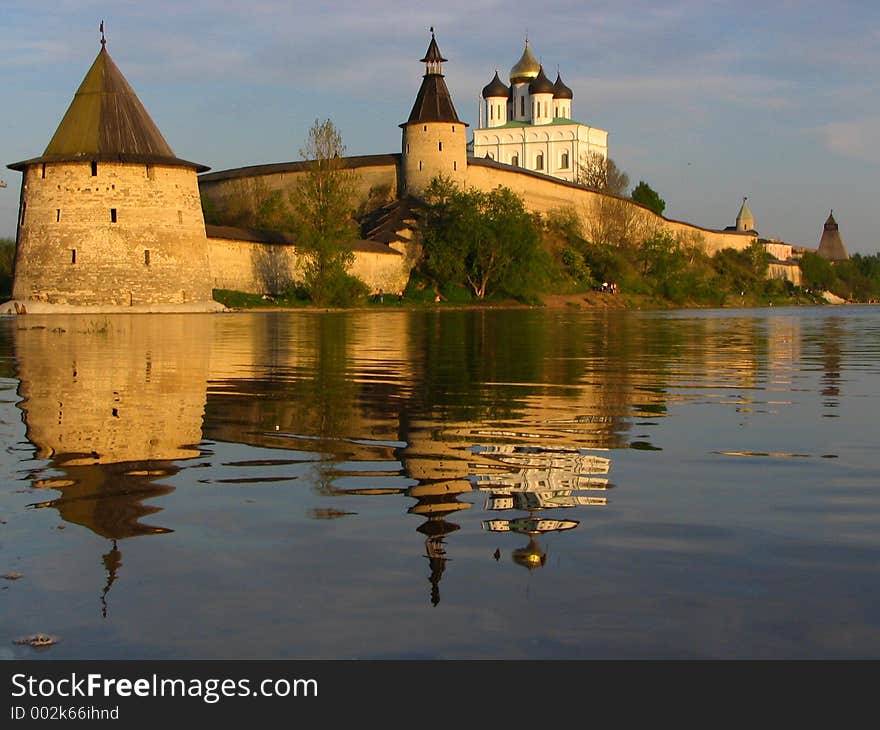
(816, 271)
(645, 195)
(322, 206)
(488, 242)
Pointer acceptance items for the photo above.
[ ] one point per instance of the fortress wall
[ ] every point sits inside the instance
(260, 268)
(542, 194)
(71, 252)
(376, 180)
(787, 272)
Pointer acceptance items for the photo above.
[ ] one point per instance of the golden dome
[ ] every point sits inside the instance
(526, 69)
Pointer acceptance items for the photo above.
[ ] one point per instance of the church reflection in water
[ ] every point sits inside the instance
(112, 406)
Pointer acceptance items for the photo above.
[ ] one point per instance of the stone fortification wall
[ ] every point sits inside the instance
(376, 180)
(117, 233)
(601, 214)
(259, 267)
(789, 271)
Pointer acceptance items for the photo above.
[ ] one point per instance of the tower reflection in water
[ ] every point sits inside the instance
(112, 403)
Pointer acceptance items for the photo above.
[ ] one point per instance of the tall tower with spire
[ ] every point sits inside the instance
(109, 215)
(434, 138)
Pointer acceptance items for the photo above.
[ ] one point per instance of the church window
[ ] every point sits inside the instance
(113, 215)
(491, 112)
(425, 128)
(539, 161)
(556, 112)
(439, 146)
(146, 257)
(514, 160)
(564, 161)
(73, 256)
(94, 168)
(522, 106)
(454, 165)
(420, 164)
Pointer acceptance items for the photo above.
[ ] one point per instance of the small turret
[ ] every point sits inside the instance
(496, 93)
(745, 221)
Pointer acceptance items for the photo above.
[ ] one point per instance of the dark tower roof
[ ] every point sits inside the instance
(433, 55)
(433, 102)
(560, 90)
(831, 246)
(541, 84)
(495, 88)
(107, 122)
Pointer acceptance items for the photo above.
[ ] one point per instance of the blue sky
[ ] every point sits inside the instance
(705, 101)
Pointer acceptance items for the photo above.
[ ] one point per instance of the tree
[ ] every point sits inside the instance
(322, 205)
(597, 172)
(487, 242)
(645, 195)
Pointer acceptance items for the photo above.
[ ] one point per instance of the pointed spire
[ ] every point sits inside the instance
(433, 58)
(433, 102)
(103, 39)
(831, 245)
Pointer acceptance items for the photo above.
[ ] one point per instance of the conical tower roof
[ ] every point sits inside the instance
(831, 246)
(745, 221)
(433, 102)
(107, 122)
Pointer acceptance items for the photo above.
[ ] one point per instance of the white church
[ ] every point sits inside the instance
(529, 124)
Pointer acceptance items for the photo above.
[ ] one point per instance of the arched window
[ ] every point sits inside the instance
(563, 163)
(539, 161)
(514, 160)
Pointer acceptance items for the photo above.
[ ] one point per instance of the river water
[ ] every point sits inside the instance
(442, 484)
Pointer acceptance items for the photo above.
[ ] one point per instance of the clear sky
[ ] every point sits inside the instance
(705, 101)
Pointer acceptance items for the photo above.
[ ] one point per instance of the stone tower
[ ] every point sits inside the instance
(831, 245)
(434, 138)
(745, 221)
(109, 216)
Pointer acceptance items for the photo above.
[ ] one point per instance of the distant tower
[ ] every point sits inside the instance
(745, 221)
(562, 97)
(108, 214)
(434, 138)
(831, 246)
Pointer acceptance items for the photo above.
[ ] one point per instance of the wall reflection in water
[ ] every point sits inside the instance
(513, 412)
(112, 404)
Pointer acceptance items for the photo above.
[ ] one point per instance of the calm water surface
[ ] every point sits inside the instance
(458, 484)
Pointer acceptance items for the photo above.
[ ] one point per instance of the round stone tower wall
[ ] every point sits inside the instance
(432, 149)
(111, 233)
